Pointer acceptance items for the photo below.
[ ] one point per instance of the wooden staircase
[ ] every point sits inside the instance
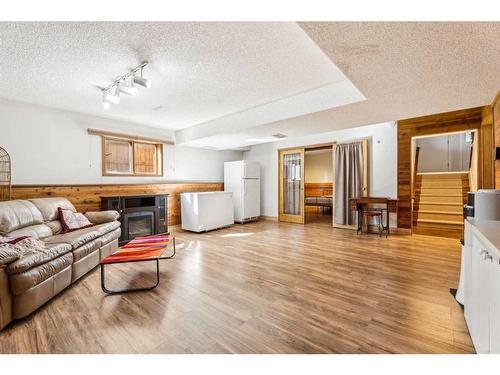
(438, 203)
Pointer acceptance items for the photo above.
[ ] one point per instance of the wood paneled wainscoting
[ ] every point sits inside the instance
(87, 197)
(318, 189)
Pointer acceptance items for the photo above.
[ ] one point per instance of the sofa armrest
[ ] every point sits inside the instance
(41, 257)
(8, 255)
(101, 217)
(5, 299)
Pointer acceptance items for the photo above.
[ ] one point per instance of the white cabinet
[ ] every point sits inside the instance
(482, 293)
(467, 277)
(495, 303)
(478, 311)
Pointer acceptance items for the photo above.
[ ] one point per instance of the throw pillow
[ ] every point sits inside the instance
(71, 221)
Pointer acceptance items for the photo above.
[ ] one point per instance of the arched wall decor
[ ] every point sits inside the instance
(5, 176)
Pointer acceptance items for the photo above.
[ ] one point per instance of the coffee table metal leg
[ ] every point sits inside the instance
(173, 254)
(106, 290)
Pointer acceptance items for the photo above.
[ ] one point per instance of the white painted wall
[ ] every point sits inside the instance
(444, 153)
(318, 166)
(51, 146)
(383, 160)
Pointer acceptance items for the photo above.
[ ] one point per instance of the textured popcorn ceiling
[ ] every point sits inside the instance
(199, 71)
(220, 84)
(403, 69)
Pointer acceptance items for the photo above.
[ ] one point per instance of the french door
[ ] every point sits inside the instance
(291, 185)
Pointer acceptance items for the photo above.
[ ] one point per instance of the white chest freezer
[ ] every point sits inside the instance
(204, 211)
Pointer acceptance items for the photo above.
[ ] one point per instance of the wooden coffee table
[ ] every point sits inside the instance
(140, 249)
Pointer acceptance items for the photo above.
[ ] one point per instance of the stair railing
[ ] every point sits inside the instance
(473, 166)
(415, 169)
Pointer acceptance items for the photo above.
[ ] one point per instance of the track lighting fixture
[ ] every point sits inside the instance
(105, 103)
(144, 82)
(110, 95)
(125, 84)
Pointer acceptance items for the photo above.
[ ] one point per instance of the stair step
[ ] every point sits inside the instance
(431, 221)
(440, 191)
(443, 175)
(436, 177)
(432, 194)
(438, 229)
(437, 212)
(439, 203)
(439, 177)
(438, 206)
(438, 216)
(448, 184)
(445, 199)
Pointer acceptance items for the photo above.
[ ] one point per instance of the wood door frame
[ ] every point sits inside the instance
(413, 146)
(282, 216)
(366, 156)
(366, 175)
(465, 119)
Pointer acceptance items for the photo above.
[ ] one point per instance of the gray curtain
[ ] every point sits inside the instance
(349, 170)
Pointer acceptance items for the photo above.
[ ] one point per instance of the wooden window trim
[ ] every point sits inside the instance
(133, 167)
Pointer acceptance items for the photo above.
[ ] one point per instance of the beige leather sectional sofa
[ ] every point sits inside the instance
(28, 282)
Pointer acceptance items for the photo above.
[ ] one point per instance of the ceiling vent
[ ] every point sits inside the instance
(279, 136)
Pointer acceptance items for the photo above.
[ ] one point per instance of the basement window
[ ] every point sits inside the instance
(127, 157)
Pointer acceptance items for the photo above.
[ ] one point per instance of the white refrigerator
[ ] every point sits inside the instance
(242, 178)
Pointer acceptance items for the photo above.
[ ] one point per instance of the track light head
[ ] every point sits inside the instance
(105, 102)
(127, 86)
(144, 82)
(111, 97)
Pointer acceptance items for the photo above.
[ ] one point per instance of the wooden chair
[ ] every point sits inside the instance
(367, 214)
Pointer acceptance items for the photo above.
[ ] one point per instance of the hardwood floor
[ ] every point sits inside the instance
(265, 288)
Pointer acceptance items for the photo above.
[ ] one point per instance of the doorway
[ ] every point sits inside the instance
(318, 185)
(307, 177)
(444, 169)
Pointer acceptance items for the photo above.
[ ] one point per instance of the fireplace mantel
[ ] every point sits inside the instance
(140, 215)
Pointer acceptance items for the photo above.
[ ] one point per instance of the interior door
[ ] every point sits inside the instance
(291, 185)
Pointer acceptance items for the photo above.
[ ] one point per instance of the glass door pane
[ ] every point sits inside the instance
(291, 183)
(291, 186)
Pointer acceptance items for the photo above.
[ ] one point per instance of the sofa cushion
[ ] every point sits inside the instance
(26, 262)
(38, 231)
(18, 214)
(76, 238)
(107, 227)
(48, 207)
(21, 282)
(55, 226)
(86, 249)
(99, 217)
(71, 221)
